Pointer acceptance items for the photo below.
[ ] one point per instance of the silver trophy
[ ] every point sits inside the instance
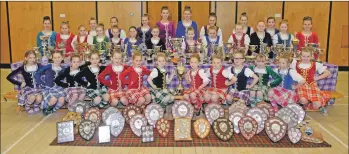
(168, 54)
(149, 53)
(177, 45)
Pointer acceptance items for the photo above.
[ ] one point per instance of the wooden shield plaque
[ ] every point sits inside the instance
(267, 108)
(259, 115)
(87, 129)
(223, 128)
(65, 131)
(163, 127)
(201, 127)
(235, 117)
(130, 111)
(153, 112)
(298, 110)
(182, 109)
(213, 112)
(182, 129)
(94, 115)
(288, 116)
(248, 127)
(311, 134)
(275, 128)
(136, 123)
(294, 135)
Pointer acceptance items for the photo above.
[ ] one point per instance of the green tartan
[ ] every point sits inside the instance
(264, 89)
(159, 95)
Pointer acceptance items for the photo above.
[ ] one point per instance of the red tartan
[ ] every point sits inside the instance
(313, 94)
(134, 94)
(199, 97)
(116, 94)
(284, 96)
(220, 92)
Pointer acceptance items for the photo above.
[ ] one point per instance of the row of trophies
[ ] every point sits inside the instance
(177, 53)
(241, 120)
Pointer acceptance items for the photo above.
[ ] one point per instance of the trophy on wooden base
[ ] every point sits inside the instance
(180, 71)
(249, 59)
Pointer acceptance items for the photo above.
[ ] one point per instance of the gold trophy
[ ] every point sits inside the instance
(316, 51)
(177, 45)
(38, 54)
(168, 54)
(253, 48)
(180, 71)
(228, 57)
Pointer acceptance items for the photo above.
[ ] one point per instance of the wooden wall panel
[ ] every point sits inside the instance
(200, 12)
(5, 50)
(154, 11)
(226, 18)
(259, 11)
(319, 11)
(128, 13)
(77, 13)
(25, 23)
(338, 51)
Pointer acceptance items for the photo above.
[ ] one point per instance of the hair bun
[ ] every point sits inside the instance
(101, 24)
(243, 13)
(46, 18)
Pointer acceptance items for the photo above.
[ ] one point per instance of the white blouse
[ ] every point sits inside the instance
(246, 39)
(245, 31)
(283, 37)
(118, 69)
(202, 75)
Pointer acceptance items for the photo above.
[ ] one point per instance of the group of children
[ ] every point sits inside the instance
(50, 86)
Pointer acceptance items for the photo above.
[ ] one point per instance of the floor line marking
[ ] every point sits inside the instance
(328, 132)
(26, 134)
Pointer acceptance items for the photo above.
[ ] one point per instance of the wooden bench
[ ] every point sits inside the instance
(12, 96)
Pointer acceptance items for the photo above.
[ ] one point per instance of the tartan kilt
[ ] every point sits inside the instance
(243, 94)
(25, 92)
(313, 94)
(159, 95)
(134, 94)
(116, 94)
(70, 91)
(264, 89)
(93, 93)
(49, 92)
(283, 96)
(222, 94)
(199, 96)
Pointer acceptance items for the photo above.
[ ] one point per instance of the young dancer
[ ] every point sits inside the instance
(167, 29)
(285, 93)
(144, 32)
(198, 80)
(212, 21)
(155, 40)
(114, 84)
(53, 94)
(93, 26)
(131, 40)
(307, 36)
(239, 39)
(31, 93)
(246, 29)
(217, 93)
(79, 42)
(158, 80)
(283, 37)
(64, 39)
(47, 32)
(136, 93)
(114, 22)
(260, 36)
(95, 89)
(212, 39)
(189, 39)
(271, 29)
(309, 93)
(240, 88)
(183, 25)
(259, 92)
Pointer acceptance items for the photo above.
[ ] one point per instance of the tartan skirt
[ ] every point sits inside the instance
(93, 93)
(25, 92)
(313, 94)
(283, 97)
(243, 95)
(70, 91)
(116, 94)
(49, 92)
(134, 94)
(158, 96)
(222, 94)
(264, 89)
(199, 97)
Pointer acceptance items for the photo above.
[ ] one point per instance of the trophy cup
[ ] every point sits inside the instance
(86, 55)
(177, 45)
(38, 54)
(262, 48)
(168, 54)
(295, 42)
(250, 59)
(316, 51)
(180, 71)
(190, 51)
(149, 53)
(157, 48)
(228, 46)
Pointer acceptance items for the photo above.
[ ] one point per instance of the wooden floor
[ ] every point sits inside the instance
(17, 135)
